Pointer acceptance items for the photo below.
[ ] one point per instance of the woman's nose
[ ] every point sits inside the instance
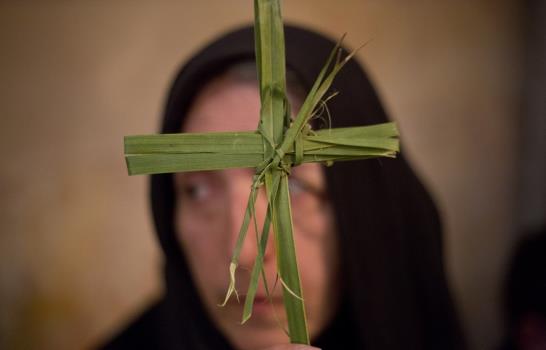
(240, 187)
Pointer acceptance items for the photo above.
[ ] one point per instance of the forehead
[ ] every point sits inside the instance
(224, 104)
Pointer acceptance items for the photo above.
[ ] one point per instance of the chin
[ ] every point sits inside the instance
(262, 330)
(252, 338)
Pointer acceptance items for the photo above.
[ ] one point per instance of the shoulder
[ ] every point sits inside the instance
(141, 333)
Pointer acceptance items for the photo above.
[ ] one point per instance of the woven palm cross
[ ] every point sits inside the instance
(279, 144)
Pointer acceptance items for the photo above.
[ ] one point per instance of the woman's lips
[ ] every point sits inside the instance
(265, 304)
(266, 311)
(261, 302)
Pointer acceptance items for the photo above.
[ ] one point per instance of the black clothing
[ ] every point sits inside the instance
(394, 293)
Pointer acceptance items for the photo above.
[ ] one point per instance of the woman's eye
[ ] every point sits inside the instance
(196, 191)
(295, 186)
(299, 188)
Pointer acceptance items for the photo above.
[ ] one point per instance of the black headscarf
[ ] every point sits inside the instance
(394, 293)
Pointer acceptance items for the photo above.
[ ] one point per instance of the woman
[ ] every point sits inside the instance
(368, 234)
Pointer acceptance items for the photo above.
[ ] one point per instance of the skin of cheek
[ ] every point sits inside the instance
(203, 257)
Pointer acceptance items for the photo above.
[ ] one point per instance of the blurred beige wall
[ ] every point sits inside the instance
(78, 255)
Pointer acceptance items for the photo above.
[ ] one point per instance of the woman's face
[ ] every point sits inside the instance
(209, 216)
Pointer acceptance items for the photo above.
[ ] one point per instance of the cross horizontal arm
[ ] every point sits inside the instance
(155, 154)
